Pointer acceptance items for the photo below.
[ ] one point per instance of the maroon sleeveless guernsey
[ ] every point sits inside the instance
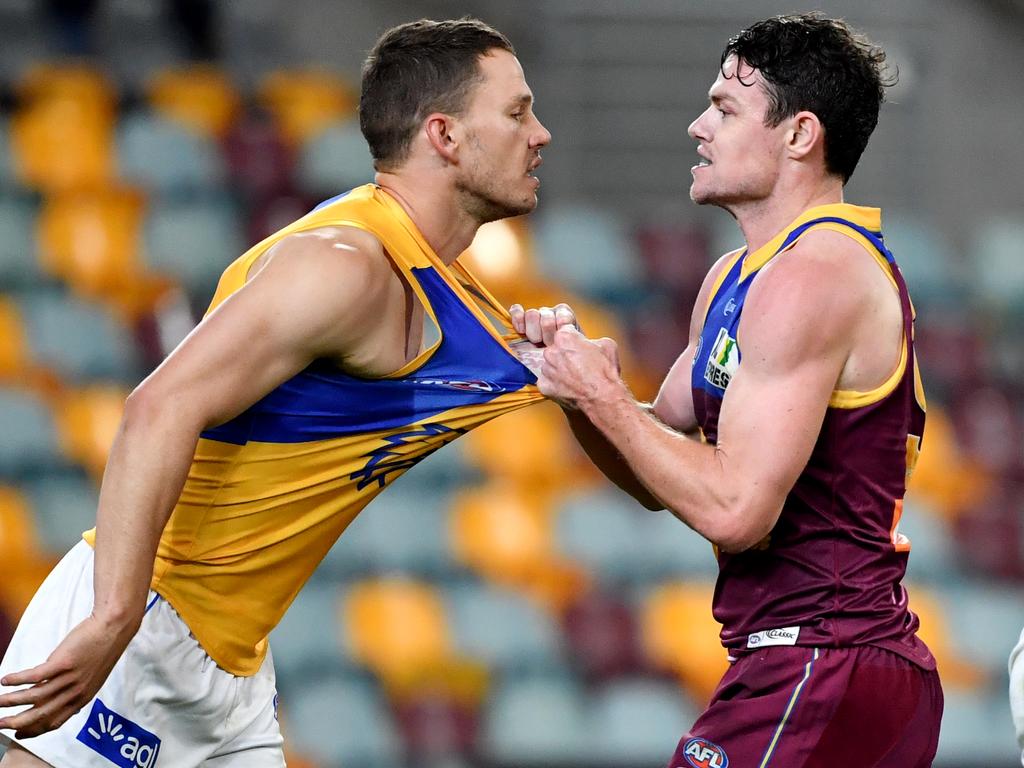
(829, 574)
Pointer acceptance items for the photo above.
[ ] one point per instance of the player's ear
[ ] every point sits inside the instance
(804, 134)
(440, 130)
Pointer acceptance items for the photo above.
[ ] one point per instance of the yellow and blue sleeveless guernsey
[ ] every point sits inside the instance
(270, 491)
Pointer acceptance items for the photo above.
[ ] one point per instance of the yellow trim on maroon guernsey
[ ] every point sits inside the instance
(716, 286)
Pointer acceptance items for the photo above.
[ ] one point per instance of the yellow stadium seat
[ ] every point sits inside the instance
(14, 356)
(533, 447)
(306, 101)
(950, 481)
(200, 97)
(25, 565)
(76, 82)
(505, 533)
(91, 240)
(87, 421)
(398, 628)
(934, 631)
(61, 144)
(395, 624)
(18, 536)
(680, 634)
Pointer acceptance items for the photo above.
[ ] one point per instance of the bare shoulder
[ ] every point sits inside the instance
(341, 249)
(823, 270)
(811, 299)
(335, 278)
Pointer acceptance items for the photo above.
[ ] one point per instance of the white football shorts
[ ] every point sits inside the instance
(166, 703)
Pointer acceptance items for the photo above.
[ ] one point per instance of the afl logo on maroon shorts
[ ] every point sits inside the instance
(701, 753)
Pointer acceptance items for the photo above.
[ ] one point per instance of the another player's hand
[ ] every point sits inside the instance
(540, 325)
(577, 370)
(66, 681)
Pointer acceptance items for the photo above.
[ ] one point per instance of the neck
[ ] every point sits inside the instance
(762, 220)
(446, 227)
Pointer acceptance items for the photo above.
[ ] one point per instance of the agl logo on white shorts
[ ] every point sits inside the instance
(118, 739)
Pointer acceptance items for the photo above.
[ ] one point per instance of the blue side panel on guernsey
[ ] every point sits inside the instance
(469, 367)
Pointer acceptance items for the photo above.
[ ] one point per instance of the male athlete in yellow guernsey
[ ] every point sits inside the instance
(301, 395)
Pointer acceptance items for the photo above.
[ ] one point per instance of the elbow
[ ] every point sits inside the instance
(742, 526)
(151, 409)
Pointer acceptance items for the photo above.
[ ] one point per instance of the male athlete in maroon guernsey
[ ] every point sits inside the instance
(800, 377)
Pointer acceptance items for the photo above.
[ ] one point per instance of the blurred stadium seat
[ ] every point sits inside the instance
(934, 273)
(87, 421)
(933, 547)
(164, 156)
(77, 340)
(395, 626)
(530, 447)
(999, 274)
(260, 163)
(199, 97)
(599, 528)
(574, 235)
(965, 716)
(535, 722)
(64, 505)
(637, 722)
(937, 628)
(192, 240)
(21, 551)
(29, 440)
(91, 241)
(336, 158)
(402, 531)
(342, 721)
(78, 82)
(307, 641)
(14, 355)
(695, 655)
(509, 633)
(437, 730)
(19, 266)
(603, 636)
(62, 144)
(503, 532)
(305, 102)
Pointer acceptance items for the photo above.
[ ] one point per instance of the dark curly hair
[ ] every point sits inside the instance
(417, 68)
(821, 65)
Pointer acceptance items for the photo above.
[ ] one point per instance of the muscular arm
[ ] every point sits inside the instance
(793, 355)
(313, 298)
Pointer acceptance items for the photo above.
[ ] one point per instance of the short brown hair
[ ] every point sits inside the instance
(417, 68)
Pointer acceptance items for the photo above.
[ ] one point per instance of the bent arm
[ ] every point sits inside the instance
(673, 407)
(792, 356)
(308, 301)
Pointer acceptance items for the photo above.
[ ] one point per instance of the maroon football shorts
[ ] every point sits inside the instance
(795, 707)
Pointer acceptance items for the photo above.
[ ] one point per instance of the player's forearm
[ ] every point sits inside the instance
(607, 458)
(692, 480)
(148, 464)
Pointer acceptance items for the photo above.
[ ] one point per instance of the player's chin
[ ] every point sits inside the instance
(523, 205)
(701, 195)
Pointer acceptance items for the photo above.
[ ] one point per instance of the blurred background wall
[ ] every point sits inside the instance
(501, 605)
